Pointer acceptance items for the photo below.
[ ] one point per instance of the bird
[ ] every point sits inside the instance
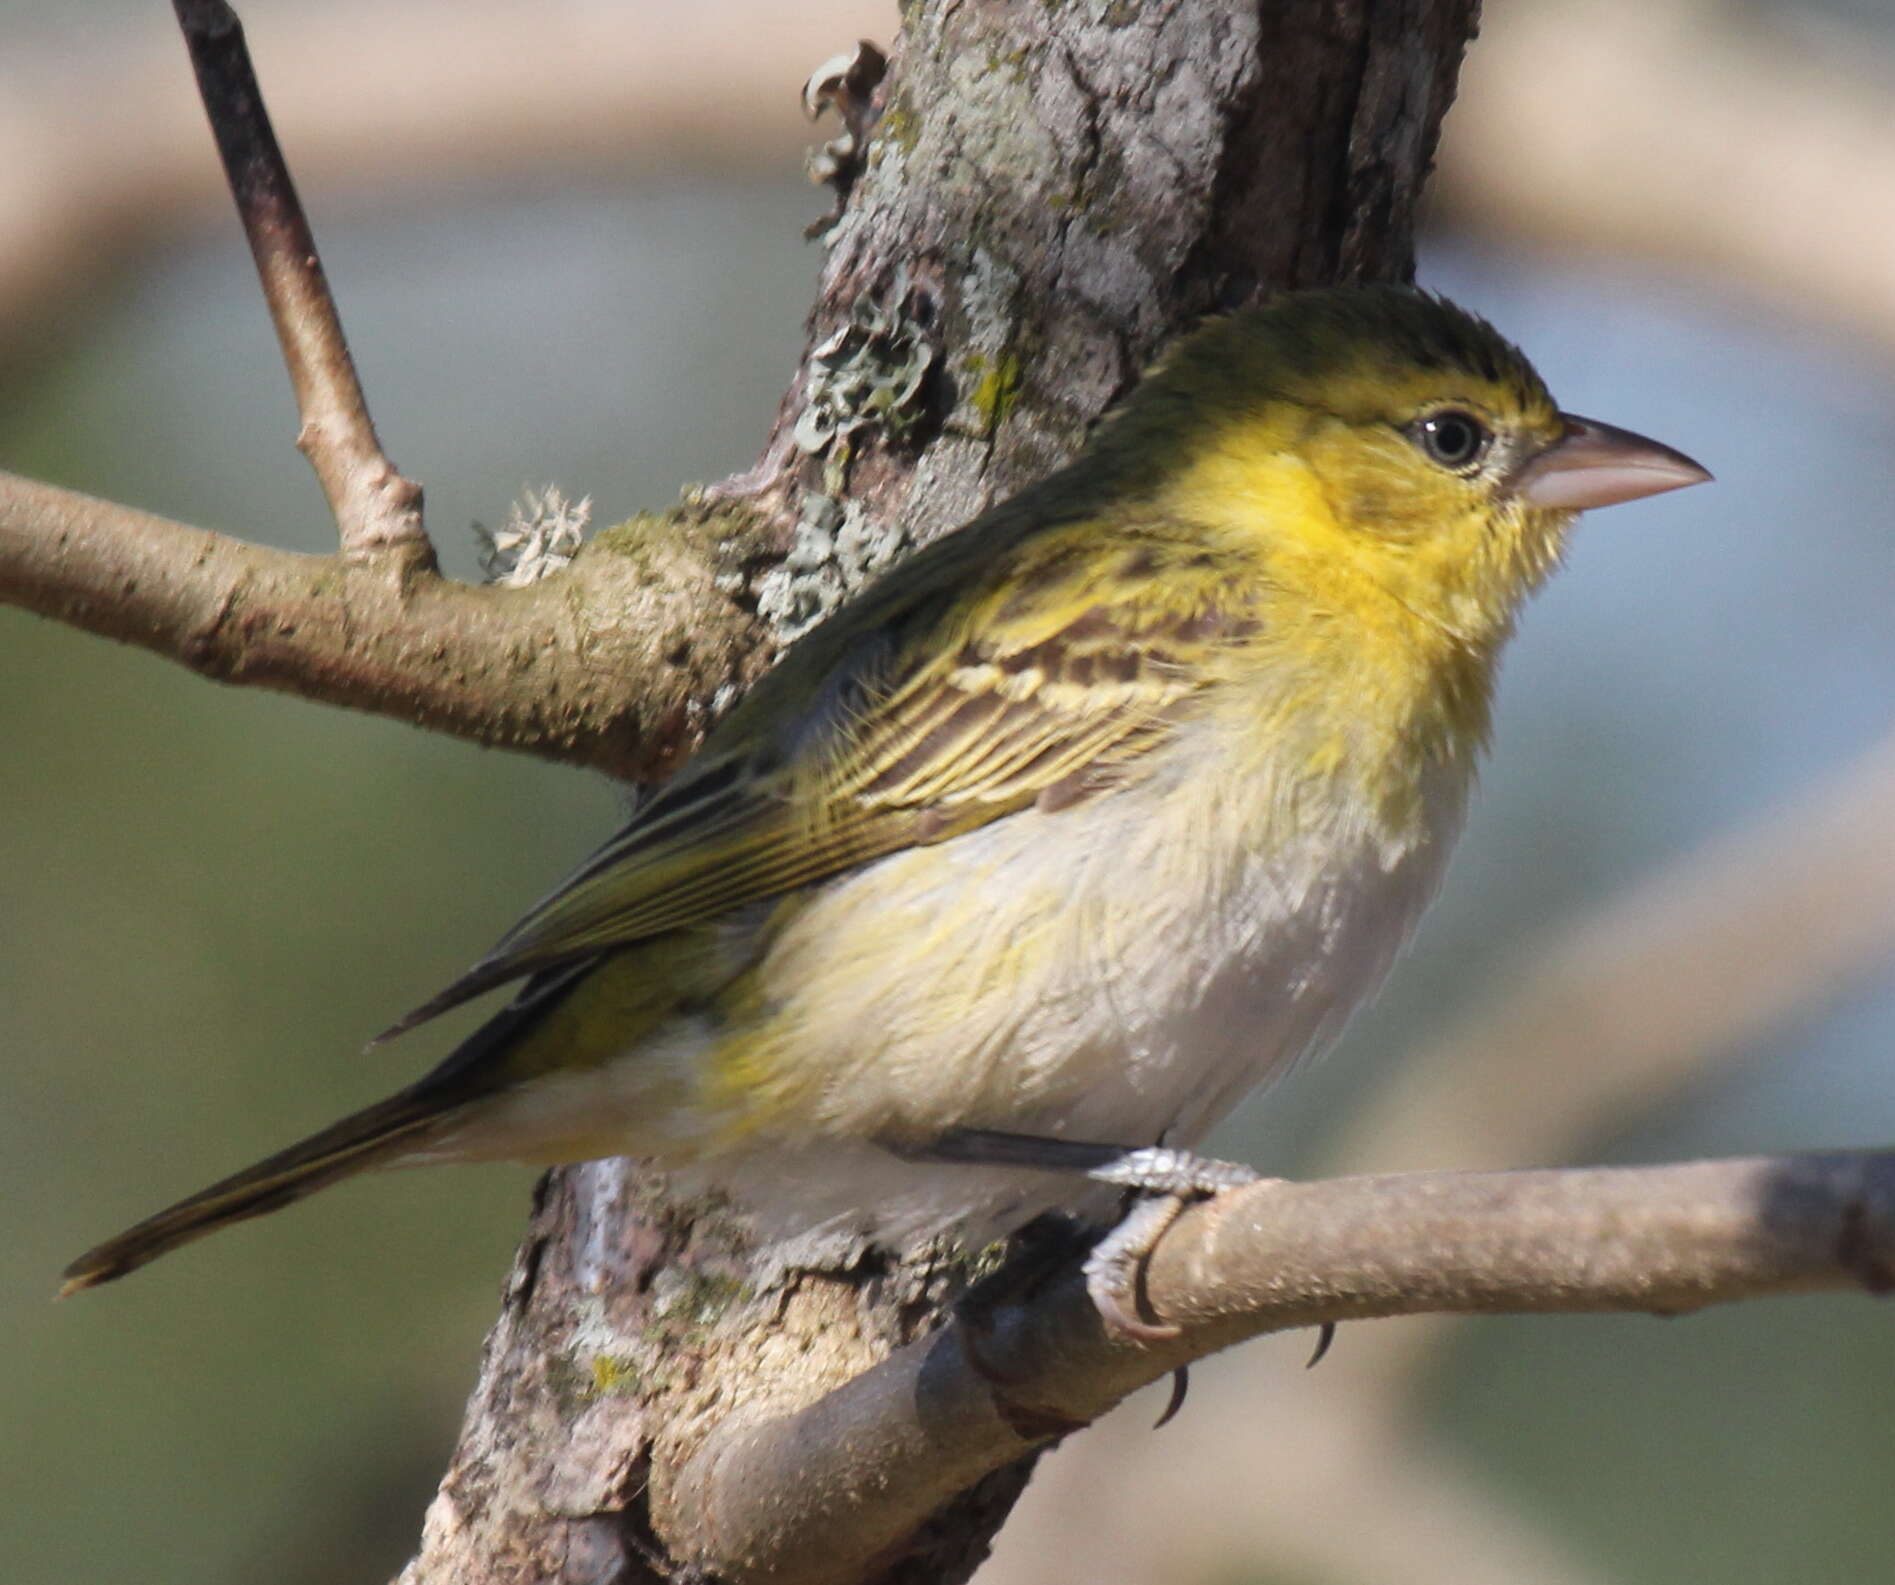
(1015, 874)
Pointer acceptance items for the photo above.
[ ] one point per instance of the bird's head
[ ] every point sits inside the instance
(1381, 433)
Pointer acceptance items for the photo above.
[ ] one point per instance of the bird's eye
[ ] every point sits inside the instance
(1454, 439)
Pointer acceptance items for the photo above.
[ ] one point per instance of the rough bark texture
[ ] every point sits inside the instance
(1050, 194)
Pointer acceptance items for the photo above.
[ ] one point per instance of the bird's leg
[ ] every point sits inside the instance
(993, 1147)
(1165, 1181)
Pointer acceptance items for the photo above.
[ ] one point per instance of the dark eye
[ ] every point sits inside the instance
(1452, 438)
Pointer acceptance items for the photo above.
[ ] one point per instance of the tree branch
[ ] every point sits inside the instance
(610, 663)
(815, 1495)
(377, 511)
(618, 665)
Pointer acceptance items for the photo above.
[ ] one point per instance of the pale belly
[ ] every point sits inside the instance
(1098, 974)
(1082, 980)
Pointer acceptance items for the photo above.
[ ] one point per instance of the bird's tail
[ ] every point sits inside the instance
(368, 1138)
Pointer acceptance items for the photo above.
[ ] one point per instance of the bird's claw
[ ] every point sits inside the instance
(1167, 1180)
(1116, 1267)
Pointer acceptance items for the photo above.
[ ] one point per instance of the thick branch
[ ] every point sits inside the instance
(815, 1495)
(607, 664)
(1049, 199)
(377, 511)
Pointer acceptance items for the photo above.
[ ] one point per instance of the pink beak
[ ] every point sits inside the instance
(1593, 464)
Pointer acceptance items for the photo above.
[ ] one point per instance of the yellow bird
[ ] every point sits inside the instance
(1081, 823)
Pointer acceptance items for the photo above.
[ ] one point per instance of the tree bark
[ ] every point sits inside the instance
(1046, 197)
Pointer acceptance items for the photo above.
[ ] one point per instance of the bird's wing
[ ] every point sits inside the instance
(1047, 689)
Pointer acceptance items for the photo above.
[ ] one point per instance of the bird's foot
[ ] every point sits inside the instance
(1163, 1181)
(1166, 1181)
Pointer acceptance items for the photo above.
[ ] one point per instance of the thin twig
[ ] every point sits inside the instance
(377, 510)
(790, 1499)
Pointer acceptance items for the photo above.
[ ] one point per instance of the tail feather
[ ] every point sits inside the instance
(367, 1138)
(406, 1123)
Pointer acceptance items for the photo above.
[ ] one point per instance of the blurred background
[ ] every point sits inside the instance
(567, 242)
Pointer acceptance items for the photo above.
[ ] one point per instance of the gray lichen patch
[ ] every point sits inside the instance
(866, 374)
(848, 84)
(864, 379)
(998, 132)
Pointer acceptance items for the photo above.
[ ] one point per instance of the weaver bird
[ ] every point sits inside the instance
(1085, 820)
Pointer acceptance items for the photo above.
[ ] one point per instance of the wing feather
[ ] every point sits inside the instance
(1048, 700)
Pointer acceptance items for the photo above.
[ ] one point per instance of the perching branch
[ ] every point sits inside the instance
(813, 1495)
(377, 511)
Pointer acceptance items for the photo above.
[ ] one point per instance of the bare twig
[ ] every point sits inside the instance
(799, 1497)
(377, 511)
